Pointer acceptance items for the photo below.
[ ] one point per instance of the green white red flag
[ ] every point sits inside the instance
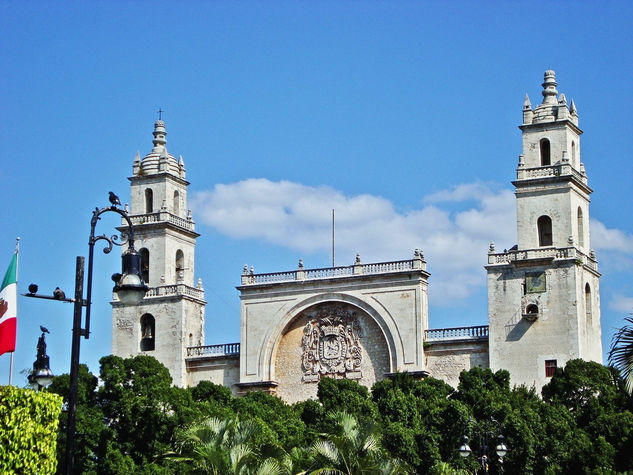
(8, 307)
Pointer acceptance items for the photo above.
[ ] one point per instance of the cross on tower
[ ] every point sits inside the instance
(160, 113)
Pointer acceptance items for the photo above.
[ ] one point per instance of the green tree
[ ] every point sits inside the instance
(422, 425)
(222, 447)
(346, 395)
(596, 399)
(280, 424)
(353, 449)
(140, 407)
(89, 421)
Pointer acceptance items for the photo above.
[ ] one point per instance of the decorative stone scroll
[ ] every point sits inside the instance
(331, 345)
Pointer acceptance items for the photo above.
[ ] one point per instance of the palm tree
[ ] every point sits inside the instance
(222, 447)
(621, 353)
(355, 450)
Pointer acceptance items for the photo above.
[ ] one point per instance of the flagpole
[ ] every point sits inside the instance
(17, 265)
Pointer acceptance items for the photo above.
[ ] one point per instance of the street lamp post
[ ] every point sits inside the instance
(501, 449)
(130, 289)
(41, 376)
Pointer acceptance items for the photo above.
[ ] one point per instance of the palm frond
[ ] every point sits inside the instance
(621, 353)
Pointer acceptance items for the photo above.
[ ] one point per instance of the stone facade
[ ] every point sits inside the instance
(543, 295)
(366, 321)
(171, 316)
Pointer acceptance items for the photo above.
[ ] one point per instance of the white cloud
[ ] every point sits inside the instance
(605, 239)
(299, 217)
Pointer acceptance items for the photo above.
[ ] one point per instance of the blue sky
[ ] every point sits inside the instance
(401, 115)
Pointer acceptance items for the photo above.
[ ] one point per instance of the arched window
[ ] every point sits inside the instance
(573, 153)
(145, 264)
(180, 263)
(581, 229)
(148, 332)
(176, 203)
(532, 309)
(149, 200)
(544, 225)
(588, 303)
(545, 153)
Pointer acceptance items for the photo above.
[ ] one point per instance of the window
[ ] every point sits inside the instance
(149, 201)
(588, 303)
(145, 264)
(148, 332)
(176, 203)
(532, 309)
(573, 153)
(581, 229)
(544, 225)
(545, 153)
(550, 368)
(180, 263)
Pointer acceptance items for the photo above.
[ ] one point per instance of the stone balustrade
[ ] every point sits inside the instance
(560, 169)
(329, 272)
(175, 289)
(226, 349)
(507, 257)
(163, 216)
(457, 333)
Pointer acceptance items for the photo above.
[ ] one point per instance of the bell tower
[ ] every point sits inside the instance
(171, 316)
(543, 294)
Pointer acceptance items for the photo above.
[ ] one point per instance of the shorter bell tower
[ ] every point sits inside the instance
(543, 294)
(171, 316)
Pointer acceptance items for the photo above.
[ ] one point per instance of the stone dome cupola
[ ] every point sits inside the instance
(159, 160)
(553, 108)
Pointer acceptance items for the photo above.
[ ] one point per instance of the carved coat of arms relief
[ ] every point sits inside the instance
(331, 345)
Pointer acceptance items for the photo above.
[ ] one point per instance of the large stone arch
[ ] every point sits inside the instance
(375, 333)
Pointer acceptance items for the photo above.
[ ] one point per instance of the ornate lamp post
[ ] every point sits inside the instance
(501, 449)
(41, 376)
(128, 285)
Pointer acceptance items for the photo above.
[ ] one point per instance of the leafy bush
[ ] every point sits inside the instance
(28, 425)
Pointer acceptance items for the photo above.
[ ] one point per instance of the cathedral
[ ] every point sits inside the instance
(368, 321)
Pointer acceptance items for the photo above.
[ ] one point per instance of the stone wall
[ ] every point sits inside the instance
(446, 359)
(224, 370)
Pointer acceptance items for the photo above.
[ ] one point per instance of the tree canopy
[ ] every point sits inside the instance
(132, 420)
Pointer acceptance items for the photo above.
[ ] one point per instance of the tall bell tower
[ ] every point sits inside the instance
(171, 316)
(543, 294)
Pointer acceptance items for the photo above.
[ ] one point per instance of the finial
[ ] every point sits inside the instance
(300, 263)
(562, 100)
(199, 286)
(526, 102)
(160, 113)
(357, 261)
(245, 269)
(572, 109)
(252, 270)
(549, 87)
(159, 133)
(492, 247)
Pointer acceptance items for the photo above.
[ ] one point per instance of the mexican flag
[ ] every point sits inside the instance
(8, 307)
